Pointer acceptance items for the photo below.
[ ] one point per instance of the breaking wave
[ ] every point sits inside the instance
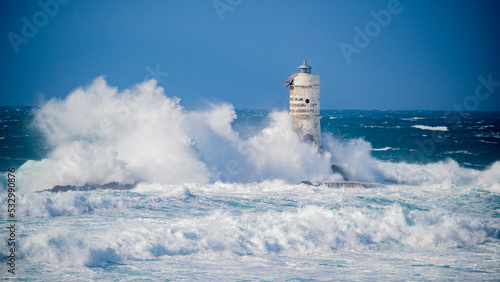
(99, 135)
(302, 231)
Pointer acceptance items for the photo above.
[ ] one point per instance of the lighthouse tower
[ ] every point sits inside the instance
(304, 104)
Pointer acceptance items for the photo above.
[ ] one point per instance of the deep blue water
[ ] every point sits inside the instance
(19, 141)
(471, 138)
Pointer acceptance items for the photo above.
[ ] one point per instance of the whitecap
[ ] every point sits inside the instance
(435, 128)
(383, 149)
(413, 118)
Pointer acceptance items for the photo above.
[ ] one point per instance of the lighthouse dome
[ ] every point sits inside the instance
(305, 68)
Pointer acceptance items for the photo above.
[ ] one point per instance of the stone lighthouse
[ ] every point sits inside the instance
(304, 104)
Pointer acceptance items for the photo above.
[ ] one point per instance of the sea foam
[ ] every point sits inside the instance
(99, 135)
(309, 230)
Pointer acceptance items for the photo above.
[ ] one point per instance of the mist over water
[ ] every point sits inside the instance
(99, 134)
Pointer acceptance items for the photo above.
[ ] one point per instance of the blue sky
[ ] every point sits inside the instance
(428, 56)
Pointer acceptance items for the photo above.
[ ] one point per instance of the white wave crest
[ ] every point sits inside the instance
(448, 171)
(383, 149)
(435, 128)
(100, 135)
(310, 230)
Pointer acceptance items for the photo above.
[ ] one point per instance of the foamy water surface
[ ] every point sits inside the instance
(215, 201)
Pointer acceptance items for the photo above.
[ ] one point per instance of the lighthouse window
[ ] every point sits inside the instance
(307, 101)
(304, 70)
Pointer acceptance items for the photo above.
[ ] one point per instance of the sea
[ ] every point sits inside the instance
(130, 185)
